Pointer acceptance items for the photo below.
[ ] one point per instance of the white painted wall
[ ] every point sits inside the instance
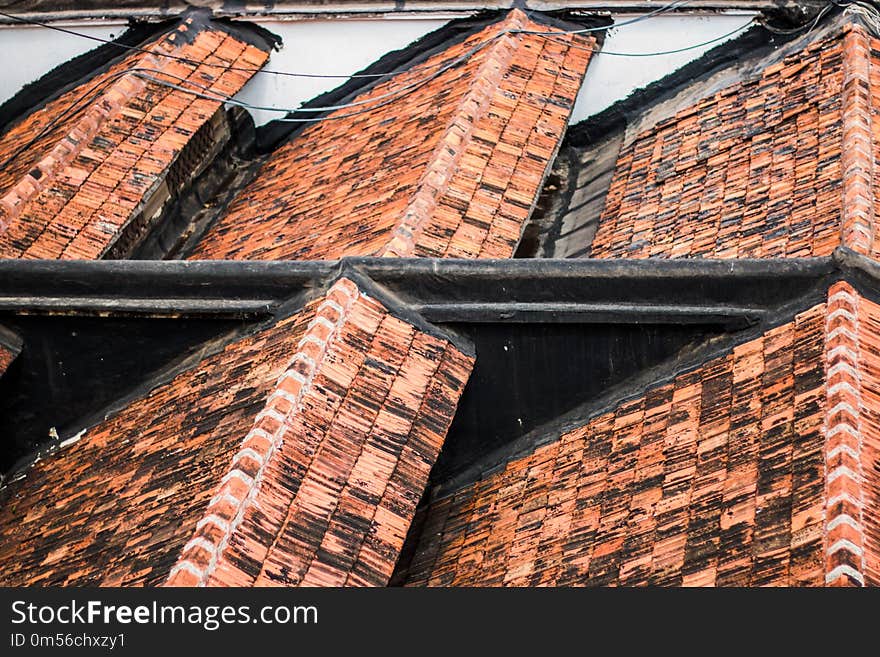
(326, 47)
(611, 77)
(29, 52)
(345, 46)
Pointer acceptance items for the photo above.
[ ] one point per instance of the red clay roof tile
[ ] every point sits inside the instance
(81, 166)
(10, 346)
(755, 468)
(776, 166)
(296, 455)
(450, 168)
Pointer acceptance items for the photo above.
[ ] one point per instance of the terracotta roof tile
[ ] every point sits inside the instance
(776, 166)
(755, 468)
(83, 164)
(451, 168)
(10, 346)
(296, 455)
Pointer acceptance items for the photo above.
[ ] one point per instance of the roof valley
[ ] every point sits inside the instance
(453, 144)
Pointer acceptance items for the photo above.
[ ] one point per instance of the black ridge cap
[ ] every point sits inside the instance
(250, 33)
(401, 310)
(862, 272)
(385, 279)
(753, 44)
(217, 287)
(139, 34)
(271, 135)
(191, 360)
(689, 359)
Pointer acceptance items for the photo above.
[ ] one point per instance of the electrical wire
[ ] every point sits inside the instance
(204, 92)
(661, 53)
(376, 102)
(387, 98)
(248, 69)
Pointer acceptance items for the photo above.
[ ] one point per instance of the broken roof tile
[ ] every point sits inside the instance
(328, 420)
(426, 174)
(77, 170)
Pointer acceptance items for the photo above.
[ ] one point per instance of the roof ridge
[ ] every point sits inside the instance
(452, 145)
(109, 103)
(857, 157)
(13, 202)
(238, 489)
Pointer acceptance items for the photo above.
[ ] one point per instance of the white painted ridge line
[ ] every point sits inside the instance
(282, 394)
(843, 427)
(843, 471)
(844, 570)
(329, 303)
(188, 566)
(845, 350)
(843, 385)
(241, 475)
(273, 413)
(275, 440)
(247, 452)
(842, 330)
(845, 497)
(844, 407)
(845, 544)
(845, 449)
(843, 519)
(292, 374)
(225, 497)
(306, 339)
(849, 368)
(213, 519)
(841, 312)
(199, 542)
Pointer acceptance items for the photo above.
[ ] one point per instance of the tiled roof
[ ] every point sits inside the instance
(81, 166)
(755, 468)
(296, 455)
(450, 168)
(779, 165)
